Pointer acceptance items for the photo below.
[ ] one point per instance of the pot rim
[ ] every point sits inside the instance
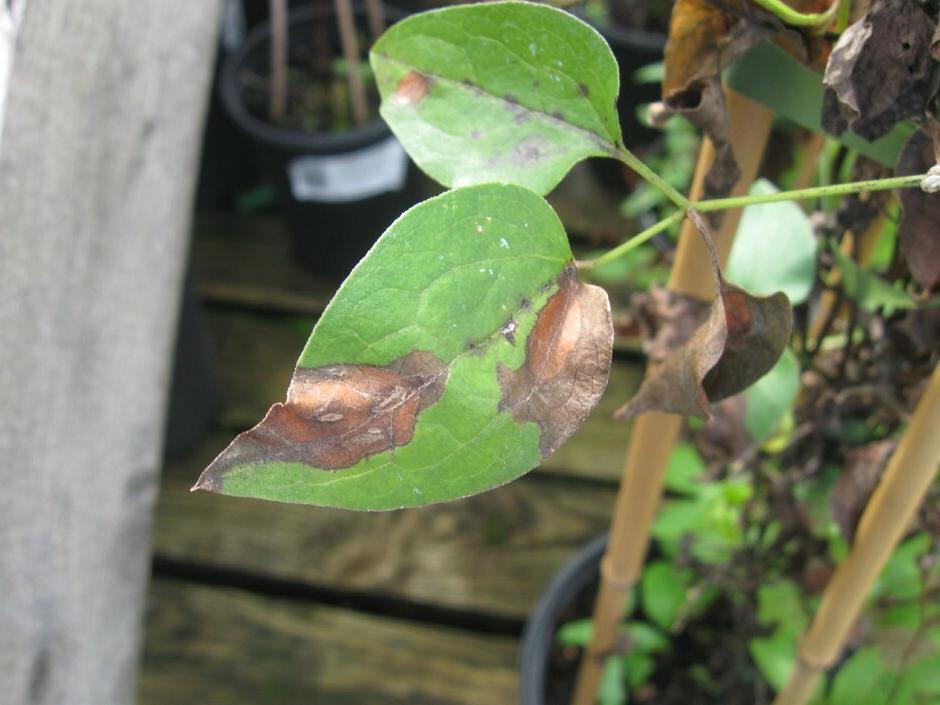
(231, 93)
(539, 632)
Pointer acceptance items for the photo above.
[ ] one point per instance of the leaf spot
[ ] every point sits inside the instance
(583, 90)
(411, 89)
(503, 243)
(567, 362)
(337, 415)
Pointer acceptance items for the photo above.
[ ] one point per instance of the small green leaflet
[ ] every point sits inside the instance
(460, 352)
(774, 248)
(502, 91)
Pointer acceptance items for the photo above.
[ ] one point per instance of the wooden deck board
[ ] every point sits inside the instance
(493, 553)
(210, 645)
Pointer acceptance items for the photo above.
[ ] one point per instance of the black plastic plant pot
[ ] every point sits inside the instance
(339, 190)
(569, 596)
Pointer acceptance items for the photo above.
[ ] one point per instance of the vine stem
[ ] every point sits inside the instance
(719, 204)
(651, 177)
(634, 242)
(787, 14)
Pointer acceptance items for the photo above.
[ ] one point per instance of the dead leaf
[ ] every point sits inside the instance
(739, 342)
(935, 44)
(337, 415)
(855, 485)
(880, 71)
(918, 234)
(724, 436)
(567, 363)
(667, 319)
(704, 37)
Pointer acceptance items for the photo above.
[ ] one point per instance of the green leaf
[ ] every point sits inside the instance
(638, 667)
(774, 657)
(866, 288)
(684, 470)
(854, 684)
(612, 689)
(769, 399)
(781, 604)
(663, 592)
(646, 638)
(460, 352)
(774, 249)
(578, 632)
(502, 91)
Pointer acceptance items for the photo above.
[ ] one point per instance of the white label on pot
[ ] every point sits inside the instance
(348, 177)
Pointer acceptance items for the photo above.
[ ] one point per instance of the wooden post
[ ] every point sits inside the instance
(655, 434)
(886, 518)
(102, 128)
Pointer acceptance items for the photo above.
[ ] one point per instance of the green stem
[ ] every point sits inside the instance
(798, 19)
(633, 242)
(651, 177)
(720, 204)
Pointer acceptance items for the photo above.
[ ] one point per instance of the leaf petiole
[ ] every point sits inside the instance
(634, 242)
(651, 177)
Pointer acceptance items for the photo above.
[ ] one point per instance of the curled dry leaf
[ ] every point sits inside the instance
(667, 319)
(704, 37)
(918, 234)
(855, 485)
(739, 342)
(880, 71)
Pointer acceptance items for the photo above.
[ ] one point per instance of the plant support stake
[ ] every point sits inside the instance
(347, 37)
(654, 434)
(885, 520)
(278, 72)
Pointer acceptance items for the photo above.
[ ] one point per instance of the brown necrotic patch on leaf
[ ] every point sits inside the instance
(740, 341)
(918, 234)
(337, 415)
(411, 88)
(880, 71)
(567, 363)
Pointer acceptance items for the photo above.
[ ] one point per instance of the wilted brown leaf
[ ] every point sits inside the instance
(880, 71)
(862, 470)
(667, 319)
(918, 234)
(739, 342)
(704, 37)
(724, 436)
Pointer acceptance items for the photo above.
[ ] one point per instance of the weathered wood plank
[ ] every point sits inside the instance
(491, 553)
(256, 356)
(212, 645)
(100, 153)
(246, 261)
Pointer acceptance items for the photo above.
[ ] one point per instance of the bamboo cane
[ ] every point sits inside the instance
(350, 44)
(655, 434)
(885, 520)
(277, 104)
(375, 11)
